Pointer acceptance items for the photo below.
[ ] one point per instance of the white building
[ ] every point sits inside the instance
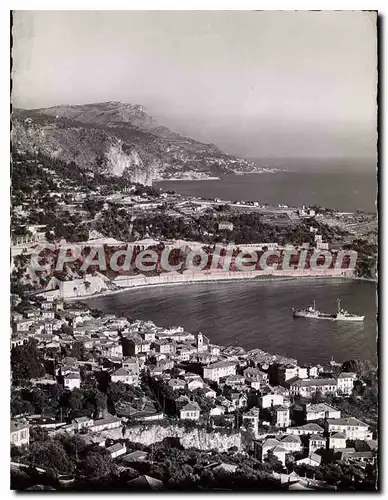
(131, 364)
(48, 314)
(20, 433)
(125, 376)
(111, 350)
(282, 416)
(23, 325)
(313, 460)
(82, 423)
(305, 430)
(292, 443)
(72, 381)
(104, 424)
(316, 441)
(117, 450)
(190, 412)
(274, 446)
(148, 336)
(195, 384)
(176, 384)
(271, 399)
(225, 225)
(202, 342)
(345, 382)
(251, 420)
(288, 372)
(351, 427)
(217, 410)
(306, 388)
(255, 377)
(185, 353)
(239, 400)
(321, 411)
(219, 370)
(337, 441)
(164, 347)
(302, 372)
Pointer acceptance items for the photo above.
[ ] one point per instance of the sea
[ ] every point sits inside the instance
(258, 314)
(342, 185)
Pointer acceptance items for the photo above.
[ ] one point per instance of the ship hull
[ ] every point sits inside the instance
(354, 319)
(330, 317)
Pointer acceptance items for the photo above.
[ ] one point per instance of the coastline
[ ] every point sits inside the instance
(214, 279)
(173, 179)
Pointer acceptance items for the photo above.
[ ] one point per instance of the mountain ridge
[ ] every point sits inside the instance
(121, 139)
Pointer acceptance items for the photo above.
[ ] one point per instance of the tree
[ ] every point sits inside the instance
(273, 462)
(38, 434)
(26, 362)
(183, 478)
(95, 466)
(317, 397)
(50, 454)
(76, 399)
(78, 351)
(20, 407)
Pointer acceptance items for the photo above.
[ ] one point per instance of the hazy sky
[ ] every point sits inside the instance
(258, 84)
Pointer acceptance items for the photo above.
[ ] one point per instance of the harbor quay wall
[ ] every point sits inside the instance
(97, 286)
(130, 282)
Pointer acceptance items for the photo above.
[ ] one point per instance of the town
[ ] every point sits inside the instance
(116, 403)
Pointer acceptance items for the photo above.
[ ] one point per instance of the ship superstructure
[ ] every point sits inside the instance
(313, 313)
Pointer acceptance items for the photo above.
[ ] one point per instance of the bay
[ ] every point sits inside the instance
(345, 191)
(258, 314)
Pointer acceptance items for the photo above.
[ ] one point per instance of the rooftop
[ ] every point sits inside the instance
(192, 406)
(338, 435)
(350, 421)
(316, 437)
(121, 372)
(319, 407)
(108, 420)
(314, 382)
(309, 427)
(222, 364)
(291, 439)
(116, 447)
(282, 408)
(271, 443)
(347, 375)
(136, 455)
(279, 449)
(18, 425)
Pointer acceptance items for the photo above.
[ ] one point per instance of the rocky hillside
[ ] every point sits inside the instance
(120, 138)
(195, 438)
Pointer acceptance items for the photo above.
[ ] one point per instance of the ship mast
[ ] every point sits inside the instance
(339, 305)
(314, 304)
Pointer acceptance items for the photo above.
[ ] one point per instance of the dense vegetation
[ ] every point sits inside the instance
(178, 468)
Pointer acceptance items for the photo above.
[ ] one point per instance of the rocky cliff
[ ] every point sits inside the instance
(196, 438)
(122, 139)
